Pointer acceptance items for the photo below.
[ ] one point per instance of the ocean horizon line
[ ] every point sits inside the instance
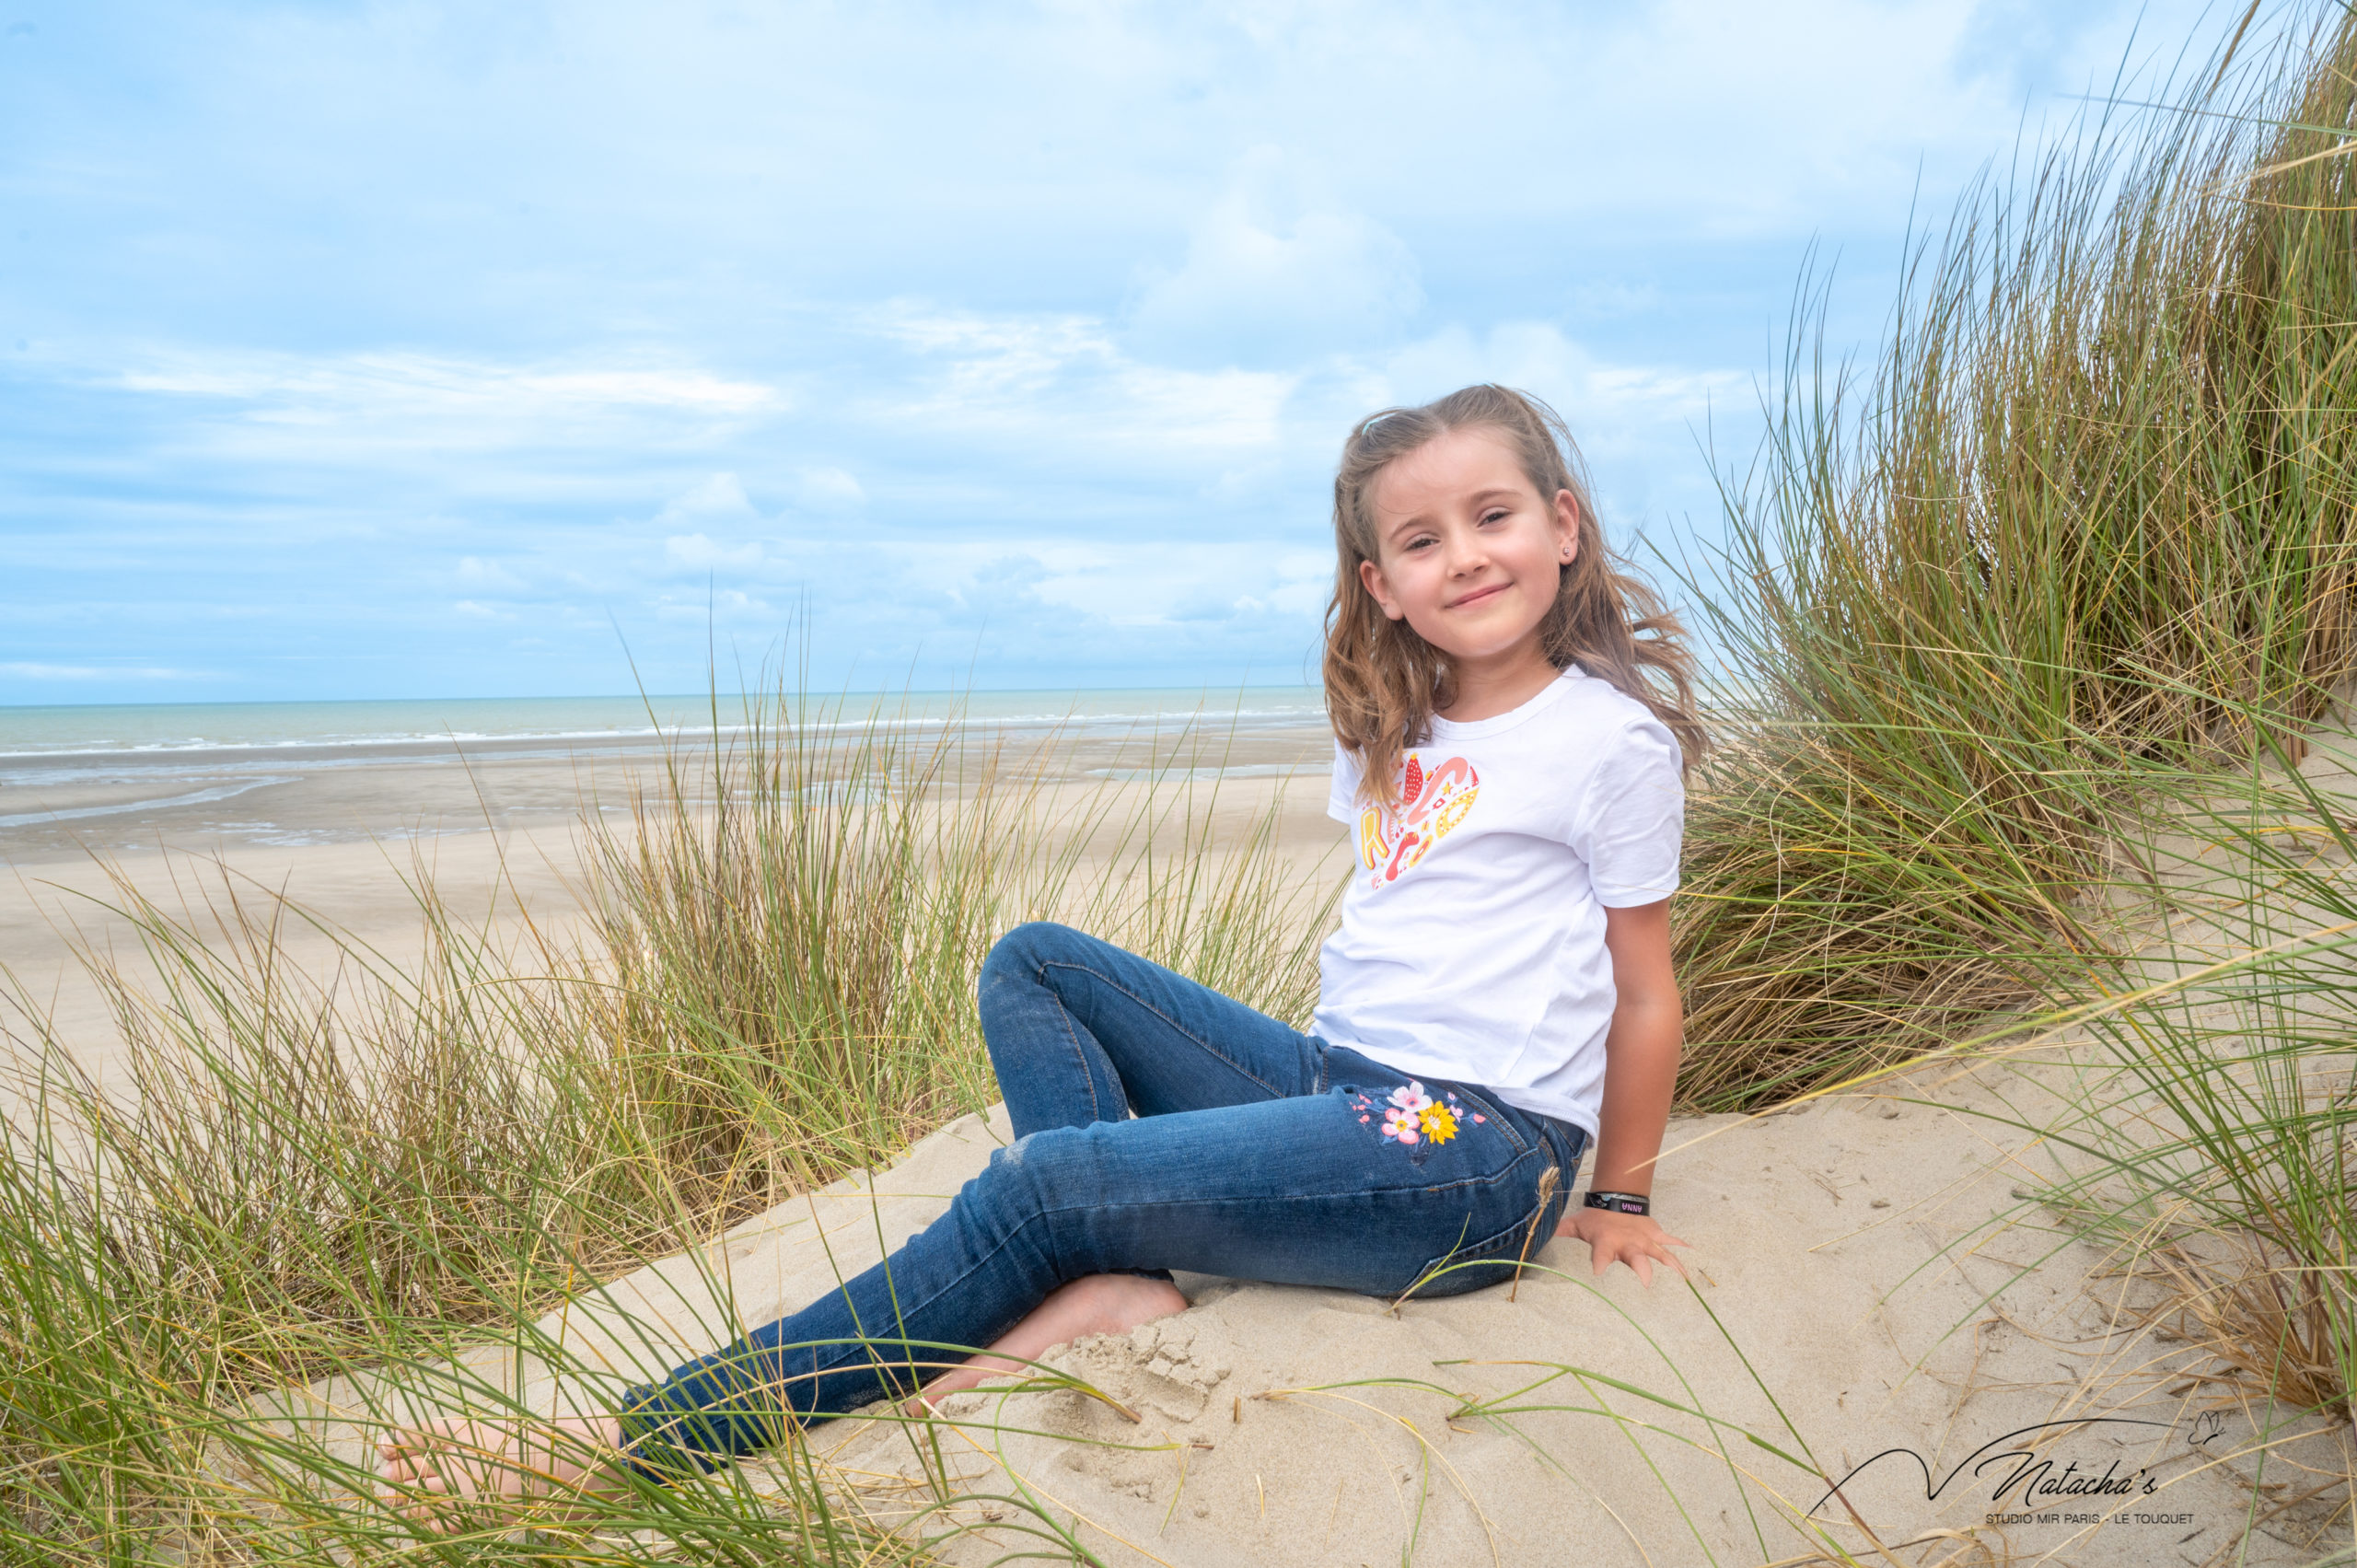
(661, 696)
(129, 730)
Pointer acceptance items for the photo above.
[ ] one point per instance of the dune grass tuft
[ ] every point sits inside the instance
(2091, 507)
(2006, 617)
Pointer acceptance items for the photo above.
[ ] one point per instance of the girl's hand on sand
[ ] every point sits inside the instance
(1637, 1240)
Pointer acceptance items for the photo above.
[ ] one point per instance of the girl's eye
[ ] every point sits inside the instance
(1492, 515)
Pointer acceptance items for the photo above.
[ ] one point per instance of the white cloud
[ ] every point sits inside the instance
(1273, 272)
(717, 501)
(721, 495)
(1124, 584)
(1610, 407)
(309, 408)
(725, 606)
(412, 380)
(698, 553)
(35, 672)
(1062, 386)
(828, 490)
(476, 572)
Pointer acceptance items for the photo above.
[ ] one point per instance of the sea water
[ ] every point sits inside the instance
(118, 729)
(125, 767)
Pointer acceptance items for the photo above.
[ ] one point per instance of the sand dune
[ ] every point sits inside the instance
(1845, 1263)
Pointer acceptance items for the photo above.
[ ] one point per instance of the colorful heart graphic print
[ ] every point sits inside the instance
(1391, 842)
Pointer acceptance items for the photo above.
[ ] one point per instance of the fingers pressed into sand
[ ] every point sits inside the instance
(1094, 1304)
(1642, 1255)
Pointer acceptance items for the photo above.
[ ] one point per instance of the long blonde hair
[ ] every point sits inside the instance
(1384, 682)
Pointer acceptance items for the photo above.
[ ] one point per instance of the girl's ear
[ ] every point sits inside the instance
(1378, 588)
(1567, 527)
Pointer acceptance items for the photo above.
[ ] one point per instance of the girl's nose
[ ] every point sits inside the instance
(1465, 553)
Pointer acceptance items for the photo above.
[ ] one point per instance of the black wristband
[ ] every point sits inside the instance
(1620, 1202)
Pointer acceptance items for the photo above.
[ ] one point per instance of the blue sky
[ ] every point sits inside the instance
(376, 350)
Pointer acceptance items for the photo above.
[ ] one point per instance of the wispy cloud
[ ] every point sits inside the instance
(696, 551)
(24, 671)
(277, 406)
(721, 495)
(401, 383)
(1066, 381)
(476, 572)
(828, 489)
(1277, 269)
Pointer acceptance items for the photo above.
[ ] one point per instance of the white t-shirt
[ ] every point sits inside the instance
(1472, 939)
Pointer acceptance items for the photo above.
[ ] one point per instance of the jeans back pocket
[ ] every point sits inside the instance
(1497, 1257)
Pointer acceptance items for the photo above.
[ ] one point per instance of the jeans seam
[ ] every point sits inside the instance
(1045, 1213)
(1575, 1140)
(1176, 1026)
(1063, 1011)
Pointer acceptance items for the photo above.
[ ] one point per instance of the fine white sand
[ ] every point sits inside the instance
(1292, 1425)
(53, 911)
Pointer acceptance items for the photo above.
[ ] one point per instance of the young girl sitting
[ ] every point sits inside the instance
(1499, 995)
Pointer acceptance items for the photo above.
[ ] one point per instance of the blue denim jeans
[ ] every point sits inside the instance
(1159, 1125)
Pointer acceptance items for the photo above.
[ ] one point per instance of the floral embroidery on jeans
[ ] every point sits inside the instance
(1414, 1120)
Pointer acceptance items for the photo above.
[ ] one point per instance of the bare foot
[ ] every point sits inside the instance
(1094, 1304)
(446, 1473)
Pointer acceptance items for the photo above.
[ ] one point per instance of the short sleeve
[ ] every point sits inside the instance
(1342, 797)
(1629, 822)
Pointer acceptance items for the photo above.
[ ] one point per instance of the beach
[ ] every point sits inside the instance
(1873, 1288)
(347, 810)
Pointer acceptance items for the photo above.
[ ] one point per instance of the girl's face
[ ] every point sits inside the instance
(1471, 553)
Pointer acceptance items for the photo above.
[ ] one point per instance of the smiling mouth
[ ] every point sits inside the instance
(1477, 595)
